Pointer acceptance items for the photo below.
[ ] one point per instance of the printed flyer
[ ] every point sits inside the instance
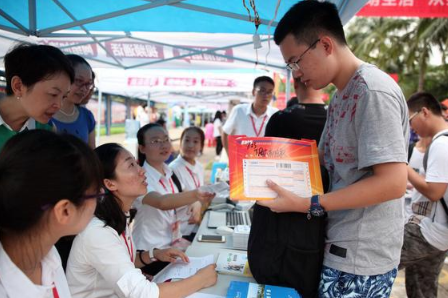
(292, 164)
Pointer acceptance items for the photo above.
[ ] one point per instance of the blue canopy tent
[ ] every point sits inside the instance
(85, 22)
(188, 35)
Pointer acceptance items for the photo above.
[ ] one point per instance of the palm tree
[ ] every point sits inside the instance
(400, 45)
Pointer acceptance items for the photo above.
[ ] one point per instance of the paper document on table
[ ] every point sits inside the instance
(293, 164)
(216, 188)
(203, 295)
(179, 269)
(292, 175)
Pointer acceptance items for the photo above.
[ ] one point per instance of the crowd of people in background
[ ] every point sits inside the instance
(58, 188)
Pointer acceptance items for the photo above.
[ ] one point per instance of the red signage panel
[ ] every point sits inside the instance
(405, 8)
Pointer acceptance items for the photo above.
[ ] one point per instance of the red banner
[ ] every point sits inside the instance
(405, 8)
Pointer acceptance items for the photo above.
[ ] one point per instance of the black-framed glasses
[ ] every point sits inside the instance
(98, 196)
(80, 83)
(295, 65)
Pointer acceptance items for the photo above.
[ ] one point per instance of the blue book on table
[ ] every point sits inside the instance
(242, 289)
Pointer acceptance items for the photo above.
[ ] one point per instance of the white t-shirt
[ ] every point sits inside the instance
(152, 226)
(101, 264)
(216, 125)
(15, 284)
(191, 177)
(415, 162)
(240, 123)
(435, 227)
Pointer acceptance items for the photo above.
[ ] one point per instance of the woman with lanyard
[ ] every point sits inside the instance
(73, 118)
(191, 174)
(38, 77)
(103, 261)
(48, 189)
(156, 223)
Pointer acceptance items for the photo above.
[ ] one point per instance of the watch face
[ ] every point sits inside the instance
(318, 212)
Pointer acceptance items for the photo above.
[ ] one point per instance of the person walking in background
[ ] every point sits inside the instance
(217, 132)
(363, 147)
(38, 78)
(251, 119)
(209, 133)
(49, 185)
(72, 118)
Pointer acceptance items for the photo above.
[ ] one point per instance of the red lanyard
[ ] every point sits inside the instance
(131, 248)
(164, 187)
(257, 133)
(55, 291)
(197, 184)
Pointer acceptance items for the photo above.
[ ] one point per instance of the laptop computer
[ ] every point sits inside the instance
(228, 218)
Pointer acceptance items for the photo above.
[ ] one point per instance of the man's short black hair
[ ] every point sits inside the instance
(307, 19)
(420, 100)
(33, 63)
(263, 79)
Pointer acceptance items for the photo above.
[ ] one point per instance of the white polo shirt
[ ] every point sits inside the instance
(101, 264)
(152, 226)
(15, 284)
(243, 121)
(191, 177)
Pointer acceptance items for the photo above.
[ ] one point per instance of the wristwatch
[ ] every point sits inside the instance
(316, 209)
(151, 255)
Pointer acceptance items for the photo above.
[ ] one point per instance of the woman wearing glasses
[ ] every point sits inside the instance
(36, 209)
(38, 77)
(104, 261)
(72, 118)
(157, 224)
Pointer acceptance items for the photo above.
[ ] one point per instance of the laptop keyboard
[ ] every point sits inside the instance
(236, 218)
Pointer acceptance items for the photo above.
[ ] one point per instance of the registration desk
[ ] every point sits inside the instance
(201, 249)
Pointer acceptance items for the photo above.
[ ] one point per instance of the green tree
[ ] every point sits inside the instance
(403, 46)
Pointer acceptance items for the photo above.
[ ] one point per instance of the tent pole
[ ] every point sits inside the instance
(98, 116)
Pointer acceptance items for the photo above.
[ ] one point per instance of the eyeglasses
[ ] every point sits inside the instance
(159, 142)
(264, 91)
(80, 83)
(295, 65)
(413, 115)
(99, 198)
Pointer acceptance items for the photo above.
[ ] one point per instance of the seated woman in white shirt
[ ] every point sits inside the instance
(157, 224)
(191, 175)
(49, 184)
(103, 261)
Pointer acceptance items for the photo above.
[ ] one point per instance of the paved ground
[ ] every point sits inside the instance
(208, 158)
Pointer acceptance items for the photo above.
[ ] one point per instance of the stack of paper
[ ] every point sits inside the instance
(241, 237)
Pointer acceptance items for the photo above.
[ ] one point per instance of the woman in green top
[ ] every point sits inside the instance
(38, 77)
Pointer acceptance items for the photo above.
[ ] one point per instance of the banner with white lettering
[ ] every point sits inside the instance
(405, 8)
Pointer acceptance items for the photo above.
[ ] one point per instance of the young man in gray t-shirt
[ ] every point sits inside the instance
(363, 147)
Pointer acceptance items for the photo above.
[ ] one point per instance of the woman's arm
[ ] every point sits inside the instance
(171, 201)
(204, 278)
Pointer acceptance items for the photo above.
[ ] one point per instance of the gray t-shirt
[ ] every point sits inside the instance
(367, 124)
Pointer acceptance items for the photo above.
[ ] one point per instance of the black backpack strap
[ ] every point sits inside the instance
(177, 182)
